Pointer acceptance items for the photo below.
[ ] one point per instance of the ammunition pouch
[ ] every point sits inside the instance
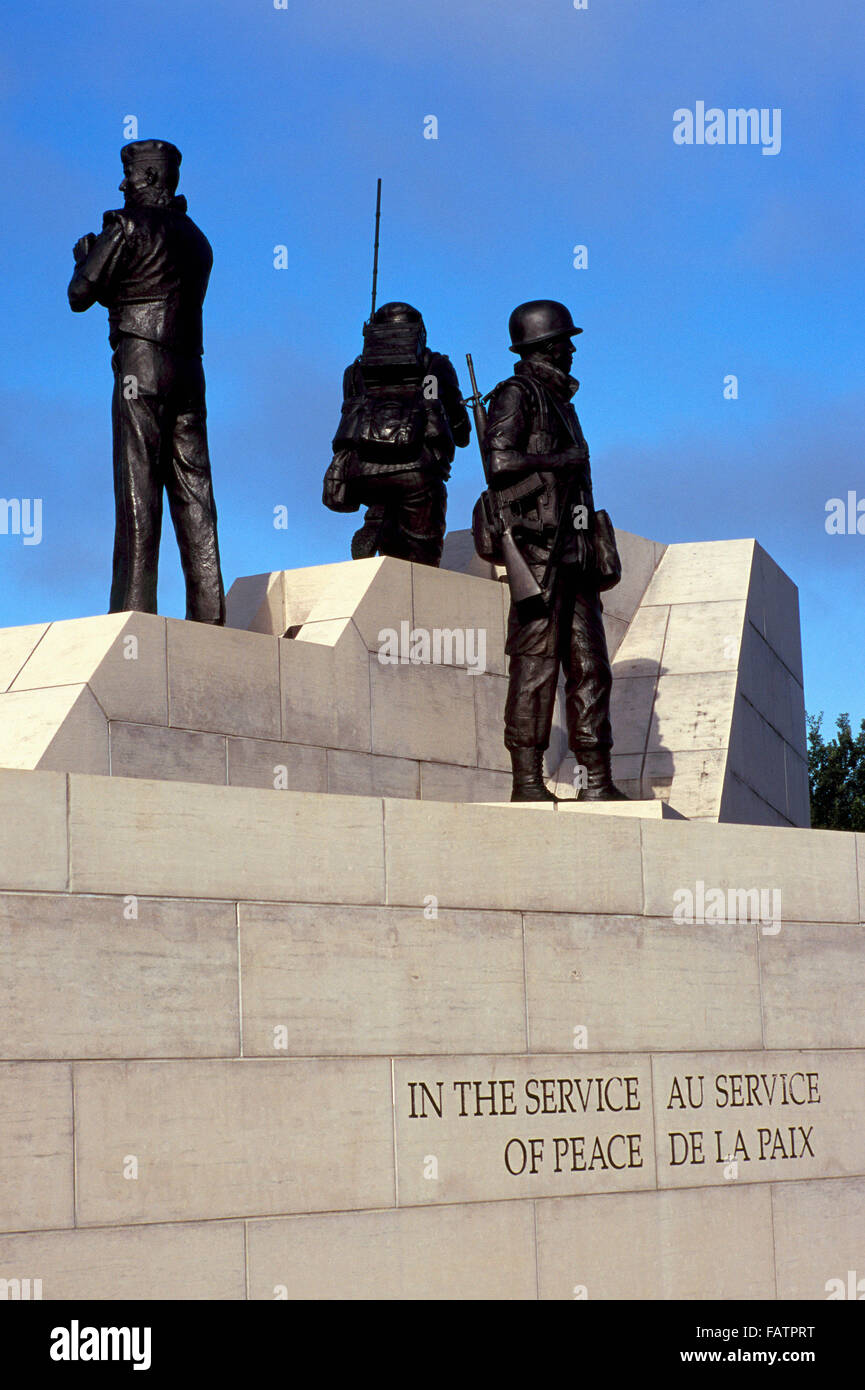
(527, 507)
(608, 565)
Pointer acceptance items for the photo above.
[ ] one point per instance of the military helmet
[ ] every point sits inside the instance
(398, 313)
(539, 321)
(394, 340)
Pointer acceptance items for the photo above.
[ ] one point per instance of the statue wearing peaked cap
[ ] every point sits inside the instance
(149, 266)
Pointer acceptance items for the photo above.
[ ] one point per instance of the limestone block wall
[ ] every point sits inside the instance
(231, 1018)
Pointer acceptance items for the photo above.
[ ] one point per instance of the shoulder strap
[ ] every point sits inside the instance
(537, 394)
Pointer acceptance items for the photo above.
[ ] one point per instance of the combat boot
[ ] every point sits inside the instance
(366, 541)
(528, 768)
(599, 780)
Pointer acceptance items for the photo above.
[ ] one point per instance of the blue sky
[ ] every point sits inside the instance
(555, 129)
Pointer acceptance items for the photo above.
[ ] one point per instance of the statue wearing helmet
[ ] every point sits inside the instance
(402, 418)
(533, 430)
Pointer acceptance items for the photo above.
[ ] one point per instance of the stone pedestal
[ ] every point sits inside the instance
(288, 1013)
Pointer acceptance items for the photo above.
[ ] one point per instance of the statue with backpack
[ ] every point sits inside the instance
(402, 419)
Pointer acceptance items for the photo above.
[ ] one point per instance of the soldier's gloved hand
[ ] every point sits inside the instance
(83, 246)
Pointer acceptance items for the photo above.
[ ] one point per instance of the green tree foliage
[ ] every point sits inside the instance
(836, 772)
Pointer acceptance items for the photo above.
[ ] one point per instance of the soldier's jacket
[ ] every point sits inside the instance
(455, 430)
(149, 266)
(530, 419)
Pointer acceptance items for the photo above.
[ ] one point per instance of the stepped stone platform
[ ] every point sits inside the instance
(296, 1004)
(320, 1046)
(707, 706)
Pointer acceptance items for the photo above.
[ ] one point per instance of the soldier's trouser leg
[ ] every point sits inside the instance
(586, 666)
(416, 518)
(137, 421)
(533, 672)
(422, 521)
(189, 486)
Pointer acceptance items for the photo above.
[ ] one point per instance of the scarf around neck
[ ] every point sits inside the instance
(559, 383)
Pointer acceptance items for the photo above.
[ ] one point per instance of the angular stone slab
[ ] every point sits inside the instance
(33, 848)
(813, 983)
(223, 681)
(374, 593)
(186, 1261)
(633, 984)
(712, 1244)
(773, 602)
(120, 656)
(222, 1139)
(175, 755)
(16, 646)
(499, 856)
(256, 603)
(36, 1157)
(819, 1239)
(60, 729)
(485, 1251)
(690, 572)
(454, 602)
(324, 680)
(813, 870)
(83, 977)
(379, 981)
(368, 774)
(254, 762)
(179, 839)
(429, 718)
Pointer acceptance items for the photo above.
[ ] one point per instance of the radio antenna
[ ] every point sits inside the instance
(375, 248)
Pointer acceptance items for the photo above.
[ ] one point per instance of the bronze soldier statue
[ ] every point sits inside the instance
(402, 417)
(537, 457)
(149, 266)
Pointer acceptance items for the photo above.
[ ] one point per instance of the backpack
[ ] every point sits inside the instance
(386, 421)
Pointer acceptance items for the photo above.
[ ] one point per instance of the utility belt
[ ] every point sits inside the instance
(349, 478)
(533, 514)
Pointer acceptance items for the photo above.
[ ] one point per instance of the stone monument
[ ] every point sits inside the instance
(291, 1013)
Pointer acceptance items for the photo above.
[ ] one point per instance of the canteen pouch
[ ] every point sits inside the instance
(608, 564)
